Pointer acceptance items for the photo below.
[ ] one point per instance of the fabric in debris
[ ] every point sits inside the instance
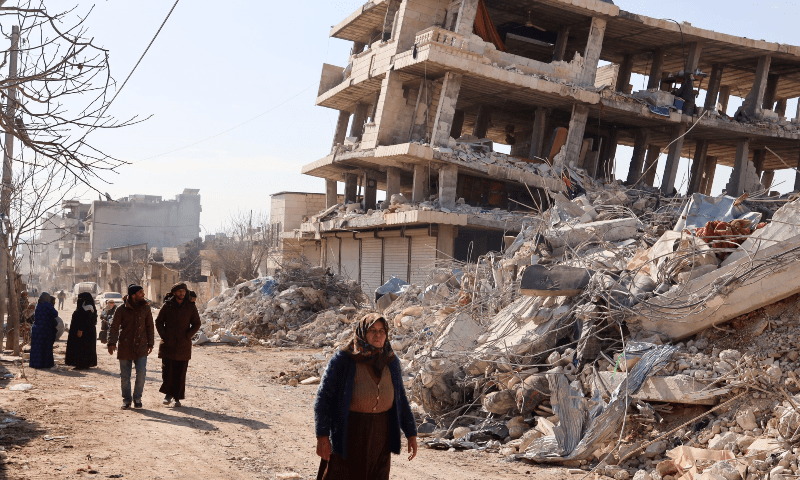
(484, 27)
(702, 209)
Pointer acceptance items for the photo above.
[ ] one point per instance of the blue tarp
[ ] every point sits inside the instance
(269, 286)
(394, 285)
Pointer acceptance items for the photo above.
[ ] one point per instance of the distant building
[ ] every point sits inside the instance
(144, 219)
(288, 211)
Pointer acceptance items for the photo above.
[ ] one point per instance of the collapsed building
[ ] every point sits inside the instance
(541, 308)
(431, 86)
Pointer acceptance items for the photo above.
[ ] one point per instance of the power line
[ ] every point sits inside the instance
(140, 59)
(230, 129)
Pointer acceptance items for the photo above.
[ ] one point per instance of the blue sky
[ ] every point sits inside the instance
(217, 65)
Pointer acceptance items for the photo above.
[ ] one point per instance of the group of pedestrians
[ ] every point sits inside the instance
(131, 335)
(361, 406)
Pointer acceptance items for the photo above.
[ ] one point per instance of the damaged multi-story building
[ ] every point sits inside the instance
(431, 86)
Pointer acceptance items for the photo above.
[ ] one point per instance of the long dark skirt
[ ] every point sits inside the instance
(368, 454)
(173, 378)
(81, 351)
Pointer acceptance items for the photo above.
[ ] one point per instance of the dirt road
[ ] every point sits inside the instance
(236, 423)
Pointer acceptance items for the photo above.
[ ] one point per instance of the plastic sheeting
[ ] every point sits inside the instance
(702, 209)
(269, 286)
(584, 424)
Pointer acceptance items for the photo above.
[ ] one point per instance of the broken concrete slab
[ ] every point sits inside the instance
(460, 335)
(723, 294)
(673, 389)
(608, 230)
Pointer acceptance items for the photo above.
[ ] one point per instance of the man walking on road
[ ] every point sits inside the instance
(133, 327)
(61, 297)
(177, 322)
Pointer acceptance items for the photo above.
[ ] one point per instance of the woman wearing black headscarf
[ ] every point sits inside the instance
(82, 340)
(361, 407)
(43, 332)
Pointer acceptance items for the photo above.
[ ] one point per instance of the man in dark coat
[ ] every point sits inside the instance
(177, 322)
(133, 328)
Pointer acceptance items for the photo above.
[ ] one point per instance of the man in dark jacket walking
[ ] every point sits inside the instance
(177, 322)
(133, 327)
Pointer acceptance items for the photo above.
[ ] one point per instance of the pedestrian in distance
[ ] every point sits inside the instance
(62, 295)
(177, 322)
(362, 406)
(44, 332)
(82, 338)
(132, 327)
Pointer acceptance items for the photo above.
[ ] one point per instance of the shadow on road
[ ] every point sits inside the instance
(17, 431)
(198, 417)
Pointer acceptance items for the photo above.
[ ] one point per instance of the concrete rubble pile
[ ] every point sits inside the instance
(299, 305)
(621, 332)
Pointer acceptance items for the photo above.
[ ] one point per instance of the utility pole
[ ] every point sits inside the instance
(12, 335)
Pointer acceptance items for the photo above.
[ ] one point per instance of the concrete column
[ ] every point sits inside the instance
(458, 124)
(392, 182)
(698, 166)
(692, 61)
(577, 127)
(448, 181)
(446, 241)
(331, 195)
(482, 122)
(708, 175)
(724, 96)
(388, 19)
(446, 110)
(591, 55)
(637, 160)
(797, 175)
(755, 99)
(561, 44)
(740, 168)
(713, 86)
(767, 178)
(358, 47)
(537, 137)
(656, 69)
(759, 155)
(651, 164)
(374, 111)
(624, 74)
(370, 191)
(350, 187)
(606, 165)
(359, 119)
(419, 126)
(341, 128)
(771, 91)
(780, 107)
(466, 17)
(419, 192)
(671, 169)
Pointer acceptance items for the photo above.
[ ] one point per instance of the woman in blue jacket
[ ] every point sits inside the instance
(43, 332)
(361, 407)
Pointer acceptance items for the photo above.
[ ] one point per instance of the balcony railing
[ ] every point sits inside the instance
(441, 36)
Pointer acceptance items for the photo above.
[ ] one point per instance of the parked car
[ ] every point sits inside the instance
(104, 297)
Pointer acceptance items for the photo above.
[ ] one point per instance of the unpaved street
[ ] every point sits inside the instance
(236, 423)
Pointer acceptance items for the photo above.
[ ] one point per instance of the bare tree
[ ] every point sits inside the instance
(55, 98)
(245, 247)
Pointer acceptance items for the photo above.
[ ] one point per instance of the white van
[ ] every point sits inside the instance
(90, 287)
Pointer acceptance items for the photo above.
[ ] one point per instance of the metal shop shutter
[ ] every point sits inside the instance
(423, 258)
(395, 258)
(371, 265)
(351, 258)
(332, 254)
